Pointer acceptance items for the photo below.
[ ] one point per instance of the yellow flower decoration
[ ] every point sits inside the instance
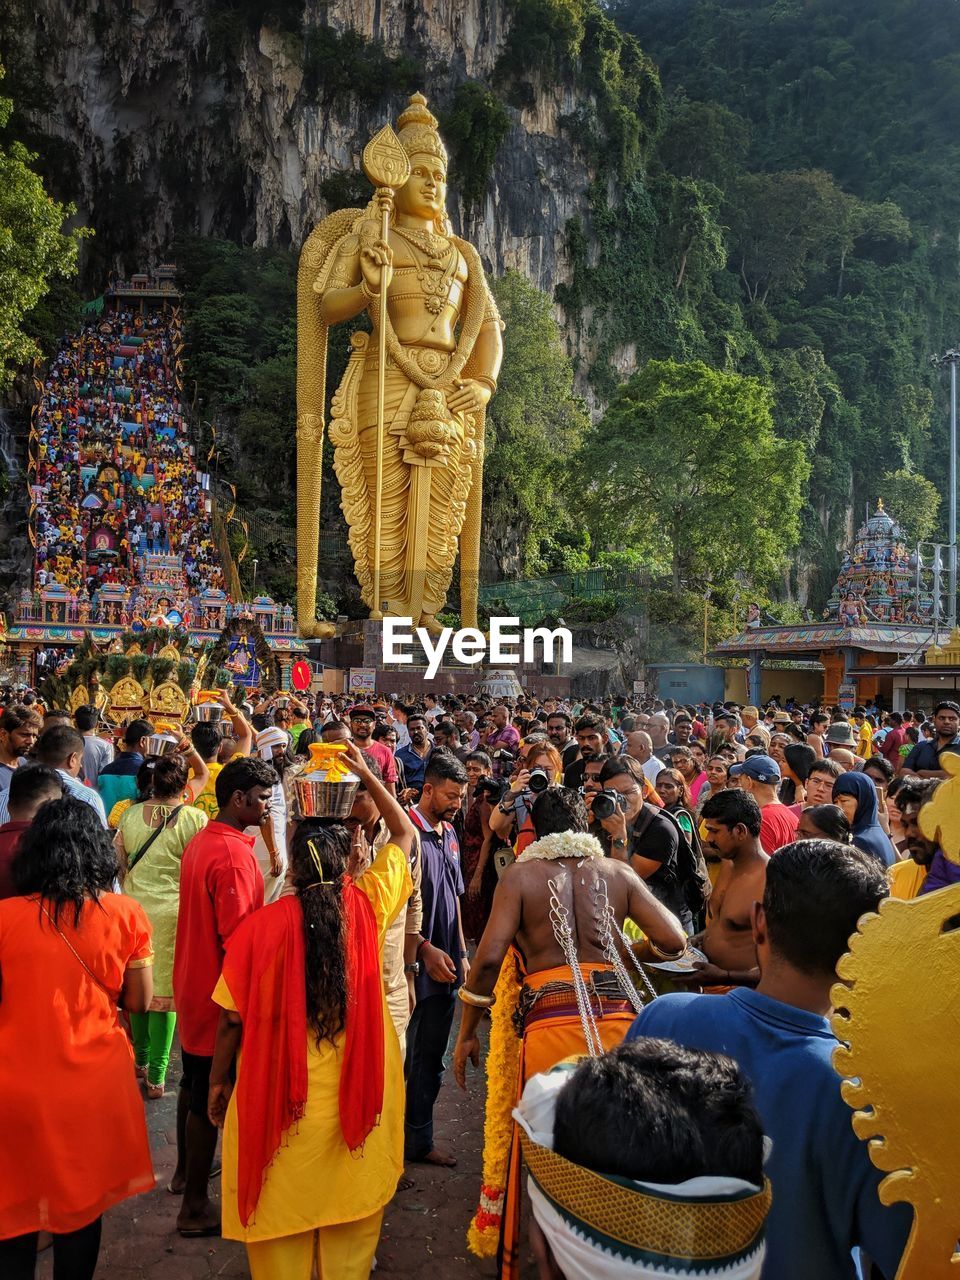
(503, 1070)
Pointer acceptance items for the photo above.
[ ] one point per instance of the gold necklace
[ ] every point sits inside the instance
(429, 242)
(436, 279)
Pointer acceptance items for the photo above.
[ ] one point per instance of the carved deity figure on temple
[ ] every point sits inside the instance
(443, 350)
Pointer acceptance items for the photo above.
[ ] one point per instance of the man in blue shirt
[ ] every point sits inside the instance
(60, 747)
(825, 1201)
(441, 964)
(416, 753)
(924, 759)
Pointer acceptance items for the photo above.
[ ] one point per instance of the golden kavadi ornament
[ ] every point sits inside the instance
(897, 1015)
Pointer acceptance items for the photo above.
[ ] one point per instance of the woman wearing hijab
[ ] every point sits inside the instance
(856, 795)
(313, 1131)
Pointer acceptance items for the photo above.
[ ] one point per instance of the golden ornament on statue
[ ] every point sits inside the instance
(407, 421)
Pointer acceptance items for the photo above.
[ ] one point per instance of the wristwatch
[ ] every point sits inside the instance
(413, 968)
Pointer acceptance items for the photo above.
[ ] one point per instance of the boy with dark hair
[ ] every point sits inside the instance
(30, 787)
(208, 739)
(825, 1201)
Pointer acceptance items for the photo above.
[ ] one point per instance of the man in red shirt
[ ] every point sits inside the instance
(220, 885)
(760, 775)
(30, 787)
(363, 719)
(893, 739)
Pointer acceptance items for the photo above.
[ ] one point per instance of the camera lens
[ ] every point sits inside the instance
(539, 780)
(604, 804)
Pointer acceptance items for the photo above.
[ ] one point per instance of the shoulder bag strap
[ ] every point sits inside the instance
(114, 995)
(145, 848)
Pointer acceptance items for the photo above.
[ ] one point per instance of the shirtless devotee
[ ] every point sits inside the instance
(559, 911)
(731, 821)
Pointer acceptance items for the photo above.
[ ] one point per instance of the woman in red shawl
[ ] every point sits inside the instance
(313, 1131)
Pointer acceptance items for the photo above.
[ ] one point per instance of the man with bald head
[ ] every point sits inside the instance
(640, 746)
(658, 727)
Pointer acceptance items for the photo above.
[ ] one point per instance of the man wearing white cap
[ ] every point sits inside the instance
(270, 846)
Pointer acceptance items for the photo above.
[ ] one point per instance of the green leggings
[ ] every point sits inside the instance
(152, 1038)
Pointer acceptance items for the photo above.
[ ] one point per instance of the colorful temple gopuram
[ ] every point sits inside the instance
(876, 629)
(127, 540)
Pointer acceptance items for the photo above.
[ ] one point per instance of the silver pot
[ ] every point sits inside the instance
(317, 798)
(208, 713)
(161, 744)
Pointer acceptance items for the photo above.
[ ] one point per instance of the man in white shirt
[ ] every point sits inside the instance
(270, 845)
(639, 745)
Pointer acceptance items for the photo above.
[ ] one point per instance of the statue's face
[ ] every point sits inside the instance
(424, 194)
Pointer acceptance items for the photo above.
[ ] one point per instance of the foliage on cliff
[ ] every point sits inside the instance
(807, 164)
(35, 250)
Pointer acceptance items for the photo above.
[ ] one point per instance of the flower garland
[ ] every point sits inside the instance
(503, 1070)
(563, 844)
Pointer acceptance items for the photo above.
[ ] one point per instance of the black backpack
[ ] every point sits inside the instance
(692, 874)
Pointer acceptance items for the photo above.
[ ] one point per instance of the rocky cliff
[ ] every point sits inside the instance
(163, 116)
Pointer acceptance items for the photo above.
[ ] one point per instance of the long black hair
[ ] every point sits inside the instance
(320, 889)
(66, 856)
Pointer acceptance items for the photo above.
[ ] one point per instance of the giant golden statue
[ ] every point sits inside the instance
(408, 428)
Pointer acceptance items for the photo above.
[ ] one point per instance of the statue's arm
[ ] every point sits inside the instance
(483, 366)
(487, 354)
(343, 296)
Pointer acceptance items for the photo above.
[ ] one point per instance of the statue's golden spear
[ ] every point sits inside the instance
(387, 166)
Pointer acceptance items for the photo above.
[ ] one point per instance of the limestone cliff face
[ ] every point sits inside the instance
(163, 130)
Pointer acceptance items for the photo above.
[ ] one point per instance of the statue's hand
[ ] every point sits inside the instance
(376, 265)
(468, 396)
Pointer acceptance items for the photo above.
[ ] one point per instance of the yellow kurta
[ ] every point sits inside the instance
(906, 878)
(314, 1180)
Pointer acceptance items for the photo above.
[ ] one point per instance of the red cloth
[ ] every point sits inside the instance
(893, 740)
(220, 885)
(264, 969)
(10, 834)
(778, 826)
(384, 758)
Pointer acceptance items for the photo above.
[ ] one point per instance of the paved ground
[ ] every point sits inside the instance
(424, 1232)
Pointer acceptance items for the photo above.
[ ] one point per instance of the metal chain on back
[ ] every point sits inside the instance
(636, 963)
(606, 924)
(560, 920)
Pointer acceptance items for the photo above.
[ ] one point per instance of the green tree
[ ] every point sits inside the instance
(34, 248)
(913, 500)
(686, 461)
(534, 424)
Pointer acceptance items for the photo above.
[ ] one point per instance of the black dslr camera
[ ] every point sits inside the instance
(606, 803)
(538, 781)
(491, 789)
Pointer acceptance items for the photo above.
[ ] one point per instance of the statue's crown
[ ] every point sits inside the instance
(417, 130)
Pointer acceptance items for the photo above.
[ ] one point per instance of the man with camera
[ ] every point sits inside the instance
(639, 833)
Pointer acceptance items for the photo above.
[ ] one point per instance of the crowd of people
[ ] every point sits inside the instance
(665, 891)
(115, 477)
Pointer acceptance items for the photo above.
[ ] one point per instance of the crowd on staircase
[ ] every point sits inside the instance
(117, 495)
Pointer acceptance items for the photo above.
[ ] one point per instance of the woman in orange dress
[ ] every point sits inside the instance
(74, 1137)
